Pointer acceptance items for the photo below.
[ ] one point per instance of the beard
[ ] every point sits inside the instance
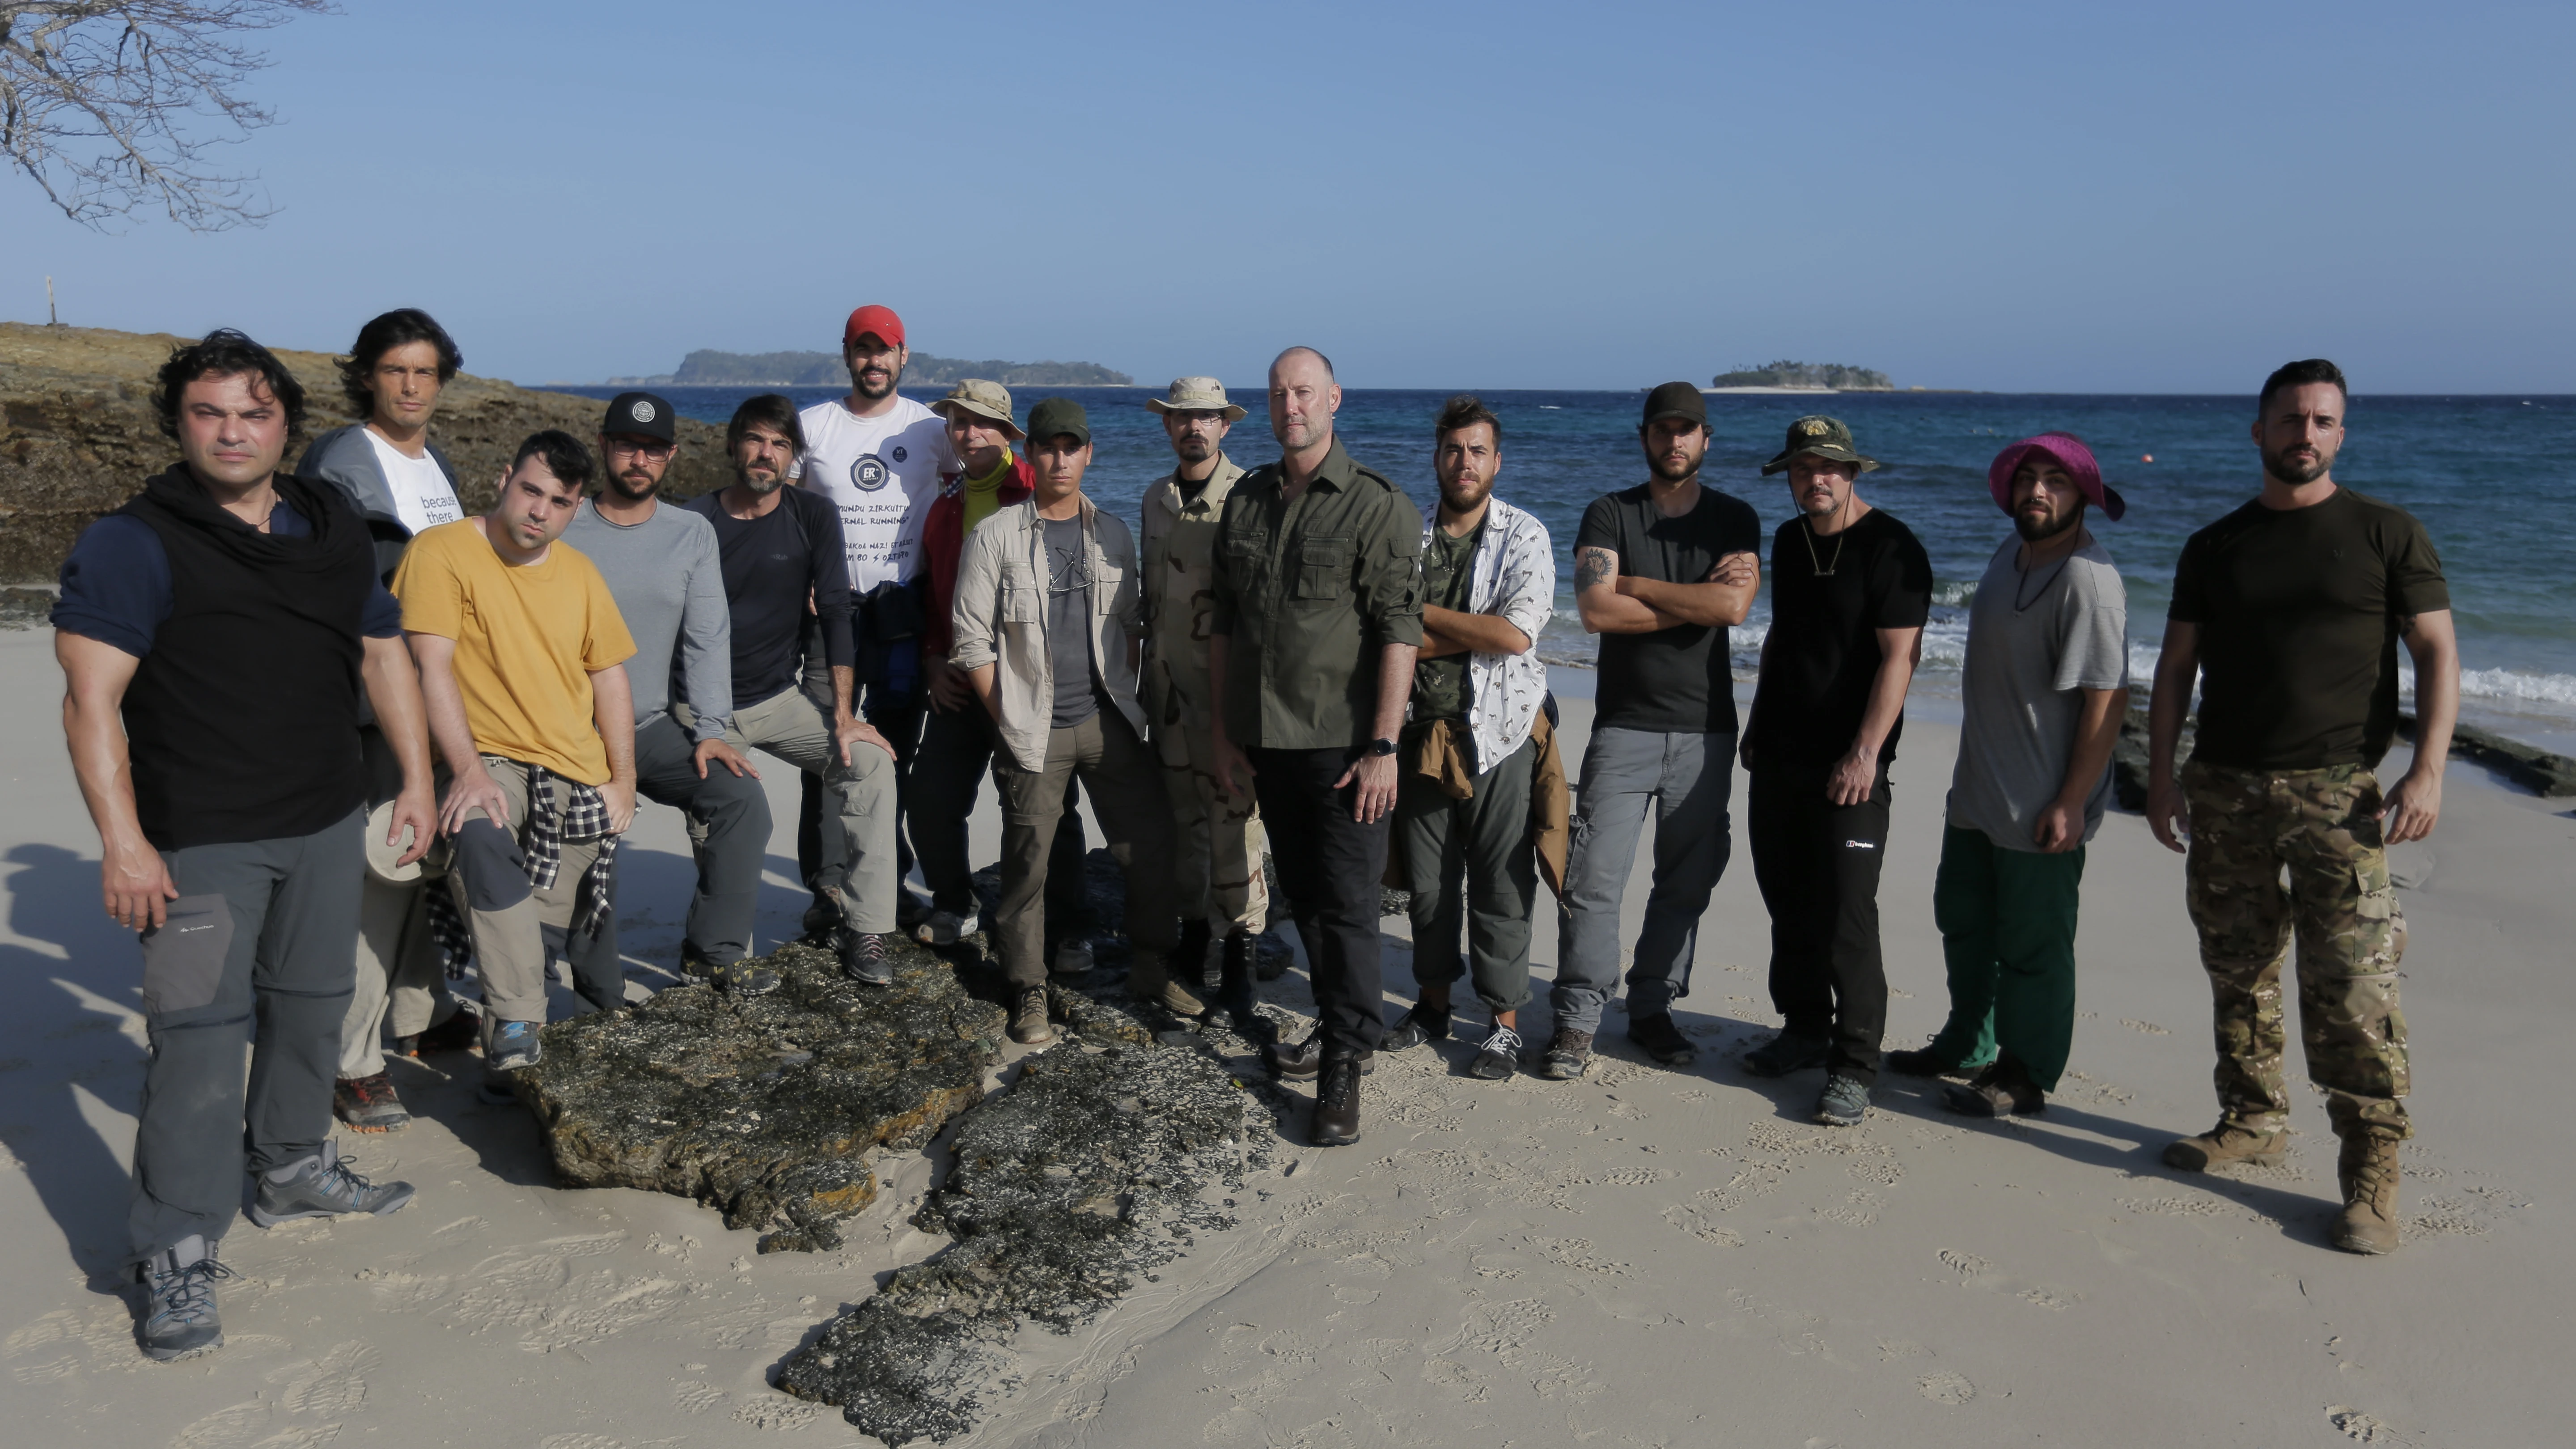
(760, 487)
(1194, 449)
(1665, 473)
(874, 392)
(2036, 529)
(632, 488)
(2294, 471)
(1303, 433)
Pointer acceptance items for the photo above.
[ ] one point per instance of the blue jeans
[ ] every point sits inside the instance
(1686, 778)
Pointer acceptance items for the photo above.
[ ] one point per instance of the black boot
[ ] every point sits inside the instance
(1336, 1122)
(1189, 958)
(1234, 988)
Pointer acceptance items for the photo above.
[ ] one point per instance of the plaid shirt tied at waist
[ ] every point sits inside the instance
(542, 837)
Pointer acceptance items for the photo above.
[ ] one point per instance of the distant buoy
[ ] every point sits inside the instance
(2146, 457)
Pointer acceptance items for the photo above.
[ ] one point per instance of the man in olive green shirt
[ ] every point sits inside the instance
(1318, 616)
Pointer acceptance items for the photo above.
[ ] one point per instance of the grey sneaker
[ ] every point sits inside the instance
(513, 1045)
(863, 957)
(323, 1186)
(179, 1300)
(1786, 1053)
(1568, 1057)
(1843, 1104)
(942, 928)
(1073, 957)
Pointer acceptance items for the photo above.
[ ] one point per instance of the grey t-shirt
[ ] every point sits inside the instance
(2032, 643)
(1068, 621)
(667, 576)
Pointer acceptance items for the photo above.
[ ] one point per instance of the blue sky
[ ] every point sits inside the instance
(2049, 197)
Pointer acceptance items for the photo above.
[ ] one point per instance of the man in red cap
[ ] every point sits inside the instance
(880, 457)
(2044, 691)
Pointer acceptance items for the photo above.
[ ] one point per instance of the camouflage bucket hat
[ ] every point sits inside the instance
(1197, 395)
(983, 399)
(1823, 436)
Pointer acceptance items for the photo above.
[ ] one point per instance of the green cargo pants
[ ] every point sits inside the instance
(2007, 920)
(2247, 826)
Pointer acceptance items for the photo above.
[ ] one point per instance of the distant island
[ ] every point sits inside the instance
(707, 367)
(1805, 377)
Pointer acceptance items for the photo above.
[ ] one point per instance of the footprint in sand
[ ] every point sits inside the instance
(1966, 1265)
(1945, 1388)
(690, 1396)
(778, 1413)
(336, 1384)
(2143, 1028)
(580, 1441)
(2363, 1428)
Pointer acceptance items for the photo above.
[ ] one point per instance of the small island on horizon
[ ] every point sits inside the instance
(1801, 377)
(708, 367)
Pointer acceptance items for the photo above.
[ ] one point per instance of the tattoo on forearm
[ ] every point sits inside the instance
(1592, 567)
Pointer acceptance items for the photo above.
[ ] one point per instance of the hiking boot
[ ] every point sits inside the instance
(2368, 1172)
(461, 1032)
(1189, 955)
(1301, 1061)
(1844, 1102)
(1029, 1024)
(178, 1284)
(322, 1186)
(863, 957)
(1498, 1057)
(1662, 1040)
(1149, 978)
(694, 965)
(744, 978)
(368, 1104)
(1419, 1024)
(1925, 1062)
(944, 928)
(2226, 1145)
(1337, 1103)
(1786, 1053)
(1241, 959)
(822, 918)
(2001, 1090)
(511, 1045)
(1568, 1057)
(1072, 957)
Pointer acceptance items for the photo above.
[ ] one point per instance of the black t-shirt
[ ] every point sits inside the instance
(765, 580)
(1675, 680)
(2299, 611)
(1828, 603)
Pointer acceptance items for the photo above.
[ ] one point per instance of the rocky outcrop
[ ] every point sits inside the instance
(77, 434)
(1093, 1170)
(765, 1108)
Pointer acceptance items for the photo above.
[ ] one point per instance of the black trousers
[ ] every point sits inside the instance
(1330, 866)
(1818, 864)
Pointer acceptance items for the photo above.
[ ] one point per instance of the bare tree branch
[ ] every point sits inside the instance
(101, 100)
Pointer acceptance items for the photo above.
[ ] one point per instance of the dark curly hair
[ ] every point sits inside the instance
(1465, 411)
(398, 328)
(563, 455)
(225, 352)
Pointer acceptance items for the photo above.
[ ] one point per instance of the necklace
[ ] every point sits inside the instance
(2022, 576)
(1822, 570)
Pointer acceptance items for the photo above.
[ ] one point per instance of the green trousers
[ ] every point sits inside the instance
(2007, 920)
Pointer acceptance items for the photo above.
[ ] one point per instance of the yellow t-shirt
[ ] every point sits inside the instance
(527, 641)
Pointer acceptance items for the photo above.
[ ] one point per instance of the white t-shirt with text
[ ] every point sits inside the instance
(422, 497)
(882, 473)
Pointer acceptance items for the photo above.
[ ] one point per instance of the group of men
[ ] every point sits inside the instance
(274, 675)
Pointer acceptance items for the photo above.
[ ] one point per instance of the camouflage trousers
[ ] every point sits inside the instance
(2249, 827)
(1217, 843)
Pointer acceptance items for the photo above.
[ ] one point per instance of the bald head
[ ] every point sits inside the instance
(1303, 399)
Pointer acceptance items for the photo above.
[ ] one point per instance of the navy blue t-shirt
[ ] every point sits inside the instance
(117, 590)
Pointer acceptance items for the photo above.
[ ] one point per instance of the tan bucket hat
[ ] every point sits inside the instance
(983, 399)
(1196, 395)
(381, 856)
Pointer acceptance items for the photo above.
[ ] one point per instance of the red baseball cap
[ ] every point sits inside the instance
(879, 320)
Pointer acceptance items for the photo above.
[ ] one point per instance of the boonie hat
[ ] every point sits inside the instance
(985, 400)
(879, 320)
(1196, 395)
(1059, 415)
(640, 413)
(1675, 400)
(2072, 455)
(381, 857)
(1823, 436)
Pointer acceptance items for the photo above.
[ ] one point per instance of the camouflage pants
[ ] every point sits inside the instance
(2247, 827)
(1217, 843)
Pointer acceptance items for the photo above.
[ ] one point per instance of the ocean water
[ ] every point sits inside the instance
(2493, 479)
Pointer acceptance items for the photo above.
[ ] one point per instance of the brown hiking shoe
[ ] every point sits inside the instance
(1149, 978)
(2226, 1145)
(2368, 1172)
(1029, 1024)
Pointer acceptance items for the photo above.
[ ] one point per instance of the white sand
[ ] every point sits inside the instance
(1646, 1257)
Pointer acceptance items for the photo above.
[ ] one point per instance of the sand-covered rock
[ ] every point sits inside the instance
(767, 1107)
(1093, 1170)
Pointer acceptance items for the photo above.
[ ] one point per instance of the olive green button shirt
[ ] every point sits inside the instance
(1308, 594)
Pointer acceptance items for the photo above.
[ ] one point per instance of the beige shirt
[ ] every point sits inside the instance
(1000, 618)
(1180, 542)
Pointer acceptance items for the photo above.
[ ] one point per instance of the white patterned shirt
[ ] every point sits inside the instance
(1514, 576)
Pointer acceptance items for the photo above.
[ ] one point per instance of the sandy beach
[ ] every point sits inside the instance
(1647, 1257)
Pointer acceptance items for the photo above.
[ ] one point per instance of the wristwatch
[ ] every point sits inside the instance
(1381, 747)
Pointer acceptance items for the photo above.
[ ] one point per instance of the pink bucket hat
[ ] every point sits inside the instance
(2070, 452)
